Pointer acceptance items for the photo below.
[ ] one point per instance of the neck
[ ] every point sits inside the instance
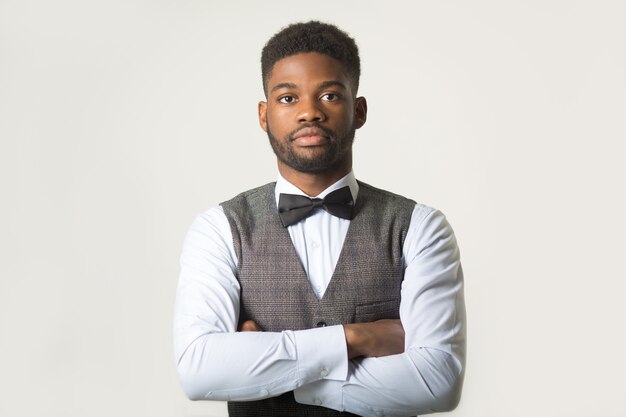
(313, 183)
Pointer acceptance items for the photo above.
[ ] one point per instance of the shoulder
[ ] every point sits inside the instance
(208, 240)
(429, 232)
(419, 211)
(251, 194)
(424, 219)
(423, 213)
(368, 189)
(210, 224)
(255, 200)
(385, 202)
(249, 209)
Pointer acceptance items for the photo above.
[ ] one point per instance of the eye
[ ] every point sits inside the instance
(287, 99)
(330, 97)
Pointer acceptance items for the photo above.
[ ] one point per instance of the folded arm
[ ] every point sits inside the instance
(427, 376)
(214, 361)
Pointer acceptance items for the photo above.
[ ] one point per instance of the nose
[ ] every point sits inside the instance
(310, 111)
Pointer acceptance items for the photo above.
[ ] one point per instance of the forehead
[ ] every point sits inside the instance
(305, 69)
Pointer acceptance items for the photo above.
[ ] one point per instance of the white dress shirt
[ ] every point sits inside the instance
(215, 362)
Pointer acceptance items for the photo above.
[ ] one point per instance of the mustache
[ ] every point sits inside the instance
(328, 132)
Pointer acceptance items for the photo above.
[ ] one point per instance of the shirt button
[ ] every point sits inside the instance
(321, 324)
(324, 372)
(315, 245)
(264, 393)
(317, 401)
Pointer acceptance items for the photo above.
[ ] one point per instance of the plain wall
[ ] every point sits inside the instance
(121, 120)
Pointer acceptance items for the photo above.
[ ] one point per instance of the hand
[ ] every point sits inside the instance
(378, 338)
(249, 326)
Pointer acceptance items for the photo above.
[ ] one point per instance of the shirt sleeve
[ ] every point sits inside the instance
(214, 361)
(428, 376)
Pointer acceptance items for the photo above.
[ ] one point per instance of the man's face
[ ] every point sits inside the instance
(311, 114)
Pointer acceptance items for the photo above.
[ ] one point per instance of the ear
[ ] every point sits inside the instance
(263, 115)
(360, 112)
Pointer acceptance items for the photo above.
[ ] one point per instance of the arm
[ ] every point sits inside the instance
(375, 339)
(215, 362)
(427, 377)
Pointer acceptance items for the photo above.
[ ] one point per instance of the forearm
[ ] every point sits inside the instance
(379, 338)
(419, 381)
(255, 365)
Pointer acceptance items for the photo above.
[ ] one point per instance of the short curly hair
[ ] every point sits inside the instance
(312, 36)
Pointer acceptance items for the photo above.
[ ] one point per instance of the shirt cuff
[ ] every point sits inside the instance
(326, 393)
(322, 354)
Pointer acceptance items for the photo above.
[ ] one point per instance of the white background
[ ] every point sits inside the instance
(121, 120)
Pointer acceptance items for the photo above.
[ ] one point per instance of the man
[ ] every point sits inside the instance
(318, 294)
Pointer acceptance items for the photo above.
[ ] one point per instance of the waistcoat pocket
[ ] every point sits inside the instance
(378, 310)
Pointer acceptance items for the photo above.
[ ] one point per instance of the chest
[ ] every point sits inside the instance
(364, 284)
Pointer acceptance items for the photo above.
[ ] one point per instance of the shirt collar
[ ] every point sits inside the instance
(284, 186)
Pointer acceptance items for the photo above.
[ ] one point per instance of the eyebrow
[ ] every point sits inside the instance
(333, 83)
(323, 85)
(284, 85)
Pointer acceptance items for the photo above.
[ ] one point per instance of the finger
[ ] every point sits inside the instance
(249, 326)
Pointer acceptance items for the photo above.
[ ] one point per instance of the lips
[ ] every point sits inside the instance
(310, 136)
(309, 131)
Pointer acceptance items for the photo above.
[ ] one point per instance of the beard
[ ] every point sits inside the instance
(317, 160)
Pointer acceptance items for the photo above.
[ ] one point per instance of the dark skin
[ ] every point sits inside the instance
(304, 91)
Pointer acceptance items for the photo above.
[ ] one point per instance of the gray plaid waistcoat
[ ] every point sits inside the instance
(277, 295)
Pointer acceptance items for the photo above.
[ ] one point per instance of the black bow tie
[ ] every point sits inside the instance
(292, 207)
